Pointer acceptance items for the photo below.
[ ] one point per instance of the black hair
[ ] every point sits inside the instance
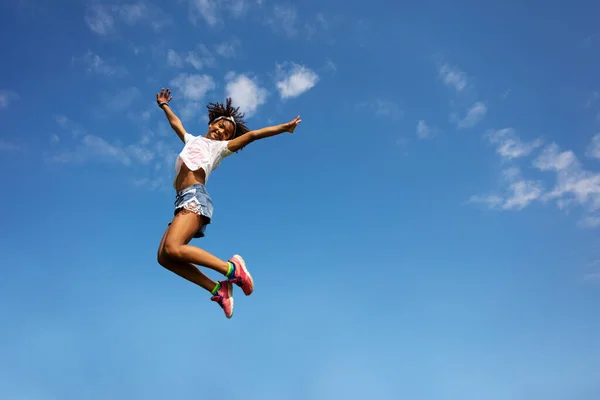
(216, 110)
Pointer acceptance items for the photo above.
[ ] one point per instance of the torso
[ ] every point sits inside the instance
(187, 178)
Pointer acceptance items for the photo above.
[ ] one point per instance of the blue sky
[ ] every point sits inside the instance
(429, 232)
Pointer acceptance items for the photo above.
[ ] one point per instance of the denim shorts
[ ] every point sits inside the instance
(196, 199)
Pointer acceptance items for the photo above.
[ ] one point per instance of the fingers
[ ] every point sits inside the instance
(164, 95)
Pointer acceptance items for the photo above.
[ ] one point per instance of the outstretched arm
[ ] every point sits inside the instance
(251, 136)
(163, 98)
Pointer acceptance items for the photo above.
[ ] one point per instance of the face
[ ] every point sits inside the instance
(220, 130)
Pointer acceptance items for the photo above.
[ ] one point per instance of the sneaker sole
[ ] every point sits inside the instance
(243, 264)
(230, 293)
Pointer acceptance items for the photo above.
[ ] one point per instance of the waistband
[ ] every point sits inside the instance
(196, 188)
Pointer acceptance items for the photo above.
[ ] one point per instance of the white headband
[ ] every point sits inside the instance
(230, 119)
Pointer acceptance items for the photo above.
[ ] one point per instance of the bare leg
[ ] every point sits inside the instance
(185, 270)
(176, 247)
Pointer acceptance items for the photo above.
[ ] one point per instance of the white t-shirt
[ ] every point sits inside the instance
(201, 153)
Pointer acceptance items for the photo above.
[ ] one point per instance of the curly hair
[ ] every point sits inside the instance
(216, 110)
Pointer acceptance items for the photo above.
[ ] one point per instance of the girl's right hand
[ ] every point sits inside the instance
(164, 96)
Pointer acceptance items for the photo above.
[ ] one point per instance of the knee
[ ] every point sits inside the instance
(162, 258)
(170, 251)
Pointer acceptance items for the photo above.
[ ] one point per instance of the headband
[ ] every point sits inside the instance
(230, 119)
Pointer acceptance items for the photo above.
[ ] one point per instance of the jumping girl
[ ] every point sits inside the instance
(227, 133)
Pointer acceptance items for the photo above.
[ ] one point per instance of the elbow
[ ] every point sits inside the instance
(252, 136)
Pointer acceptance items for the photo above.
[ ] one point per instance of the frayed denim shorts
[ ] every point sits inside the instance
(196, 199)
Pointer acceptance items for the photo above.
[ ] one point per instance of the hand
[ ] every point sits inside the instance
(290, 126)
(164, 96)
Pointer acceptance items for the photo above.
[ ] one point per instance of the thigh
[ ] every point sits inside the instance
(183, 228)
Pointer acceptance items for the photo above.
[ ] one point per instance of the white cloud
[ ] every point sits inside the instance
(99, 20)
(474, 115)
(207, 9)
(213, 11)
(94, 63)
(590, 221)
(245, 93)
(227, 49)
(174, 59)
(94, 147)
(199, 58)
(68, 125)
(509, 144)
(521, 193)
(283, 19)
(593, 149)
(54, 138)
(424, 131)
(193, 86)
(518, 194)
(297, 80)
(7, 97)
(574, 184)
(381, 108)
(453, 77)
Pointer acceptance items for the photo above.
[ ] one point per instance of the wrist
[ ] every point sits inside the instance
(163, 104)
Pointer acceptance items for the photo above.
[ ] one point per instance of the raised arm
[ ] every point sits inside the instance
(163, 98)
(251, 136)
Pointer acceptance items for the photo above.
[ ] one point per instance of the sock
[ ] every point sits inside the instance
(216, 289)
(230, 271)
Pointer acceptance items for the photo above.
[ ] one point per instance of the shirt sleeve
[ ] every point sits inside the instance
(187, 137)
(224, 150)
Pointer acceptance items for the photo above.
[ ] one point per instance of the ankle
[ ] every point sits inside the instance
(230, 270)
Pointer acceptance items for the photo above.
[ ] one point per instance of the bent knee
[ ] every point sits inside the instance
(170, 251)
(162, 258)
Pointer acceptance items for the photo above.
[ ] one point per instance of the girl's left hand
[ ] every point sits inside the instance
(290, 126)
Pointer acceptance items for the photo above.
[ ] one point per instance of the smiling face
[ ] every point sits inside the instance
(220, 130)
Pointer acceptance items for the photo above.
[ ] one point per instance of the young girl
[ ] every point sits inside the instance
(227, 133)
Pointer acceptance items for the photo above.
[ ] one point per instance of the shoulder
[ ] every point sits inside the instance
(189, 137)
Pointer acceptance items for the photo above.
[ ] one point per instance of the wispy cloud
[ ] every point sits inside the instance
(227, 49)
(7, 97)
(245, 93)
(67, 124)
(96, 64)
(294, 80)
(212, 12)
(518, 194)
(593, 149)
(474, 115)
(101, 19)
(453, 77)
(509, 145)
(283, 19)
(198, 58)
(382, 108)
(93, 148)
(193, 86)
(574, 184)
(190, 90)
(424, 131)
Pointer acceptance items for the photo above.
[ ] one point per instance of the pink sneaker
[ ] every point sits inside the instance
(242, 277)
(224, 298)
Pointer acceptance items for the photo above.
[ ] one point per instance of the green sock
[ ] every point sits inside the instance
(216, 289)
(230, 270)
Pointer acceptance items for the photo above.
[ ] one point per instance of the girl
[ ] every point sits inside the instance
(227, 133)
